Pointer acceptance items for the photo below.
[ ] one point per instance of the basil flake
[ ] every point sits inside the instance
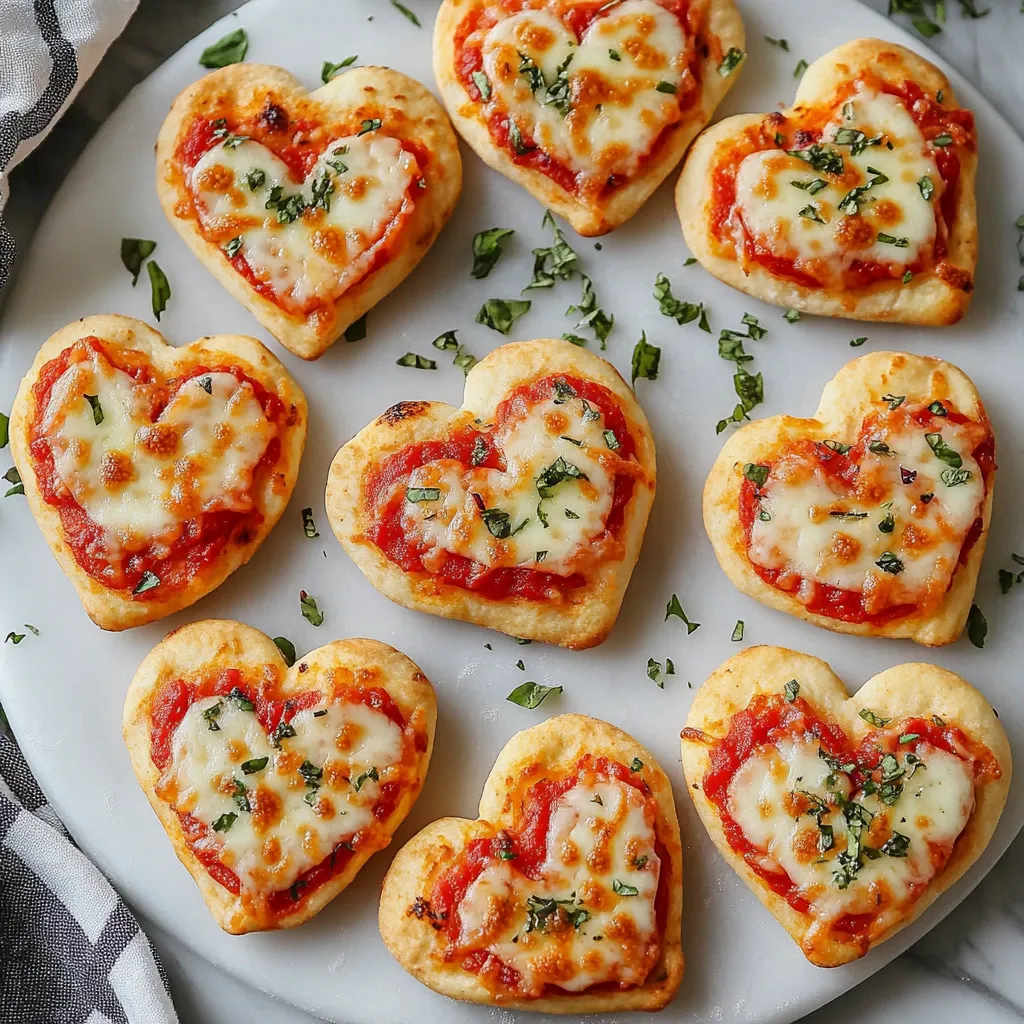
(308, 526)
(5, 424)
(621, 889)
(328, 70)
(255, 764)
(483, 85)
(287, 649)
(756, 473)
(801, 67)
(416, 362)
(731, 61)
(675, 608)
(955, 477)
(405, 11)
(487, 249)
(148, 581)
(888, 562)
(501, 314)
(416, 494)
(926, 187)
(943, 452)
(370, 124)
(791, 315)
(676, 309)
(646, 360)
(977, 627)
(224, 822)
(229, 49)
(371, 774)
(636, 765)
(876, 720)
(160, 289)
(737, 631)
(134, 252)
(667, 87)
(310, 611)
(792, 689)
(531, 695)
(356, 330)
(900, 243)
(820, 157)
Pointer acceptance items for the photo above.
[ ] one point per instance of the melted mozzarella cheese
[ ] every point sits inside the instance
(323, 252)
(815, 227)
(616, 110)
(818, 531)
(550, 532)
(290, 825)
(767, 798)
(138, 479)
(599, 835)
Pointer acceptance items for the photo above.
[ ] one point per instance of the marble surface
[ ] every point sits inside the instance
(969, 966)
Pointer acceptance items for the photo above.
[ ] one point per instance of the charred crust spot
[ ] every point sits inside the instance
(272, 117)
(954, 276)
(243, 537)
(402, 411)
(422, 910)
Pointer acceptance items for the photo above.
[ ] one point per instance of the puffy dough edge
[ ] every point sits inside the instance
(846, 399)
(913, 689)
(926, 299)
(584, 620)
(412, 113)
(557, 744)
(206, 645)
(115, 609)
(600, 217)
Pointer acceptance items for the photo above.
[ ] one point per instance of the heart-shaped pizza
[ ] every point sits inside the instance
(871, 517)
(522, 511)
(154, 472)
(564, 896)
(856, 202)
(276, 784)
(588, 105)
(308, 207)
(846, 816)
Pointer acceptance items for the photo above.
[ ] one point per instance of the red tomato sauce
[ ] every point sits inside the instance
(835, 602)
(770, 718)
(526, 842)
(169, 706)
(387, 498)
(298, 143)
(577, 18)
(931, 117)
(202, 538)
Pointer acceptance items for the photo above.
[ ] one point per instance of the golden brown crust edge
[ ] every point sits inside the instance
(926, 299)
(844, 401)
(206, 645)
(723, 20)
(583, 621)
(410, 112)
(116, 609)
(902, 691)
(559, 743)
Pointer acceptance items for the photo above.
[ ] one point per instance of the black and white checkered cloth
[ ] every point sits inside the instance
(70, 950)
(48, 48)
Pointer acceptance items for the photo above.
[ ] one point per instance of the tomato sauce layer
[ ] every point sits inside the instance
(577, 18)
(779, 132)
(201, 540)
(169, 706)
(298, 142)
(771, 718)
(386, 496)
(842, 468)
(525, 846)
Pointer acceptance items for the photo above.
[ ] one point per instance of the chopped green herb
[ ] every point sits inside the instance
(888, 562)
(5, 424)
(224, 822)
(977, 627)
(782, 44)
(656, 672)
(310, 611)
(408, 14)
(416, 362)
(801, 67)
(791, 315)
(417, 494)
(731, 61)
(229, 49)
(487, 249)
(356, 331)
(371, 774)
(371, 124)
(872, 719)
(621, 889)
(900, 243)
(308, 526)
(676, 309)
(134, 252)
(646, 360)
(483, 85)
(256, 764)
(927, 186)
(737, 631)
(792, 689)
(287, 649)
(329, 70)
(159, 286)
(501, 314)
(857, 342)
(668, 87)
(943, 452)
(148, 581)
(554, 262)
(820, 157)
(675, 608)
(636, 765)
(756, 473)
(530, 695)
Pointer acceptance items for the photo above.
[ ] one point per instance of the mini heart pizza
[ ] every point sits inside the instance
(846, 816)
(564, 896)
(589, 107)
(276, 784)
(522, 511)
(856, 202)
(154, 472)
(308, 207)
(871, 517)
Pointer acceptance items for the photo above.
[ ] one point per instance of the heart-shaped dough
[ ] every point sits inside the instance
(871, 517)
(564, 896)
(522, 511)
(154, 472)
(846, 816)
(308, 207)
(276, 784)
(588, 107)
(856, 202)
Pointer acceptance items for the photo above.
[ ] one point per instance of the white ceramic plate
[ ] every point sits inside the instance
(63, 690)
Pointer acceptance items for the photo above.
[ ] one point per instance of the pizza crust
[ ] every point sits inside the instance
(118, 609)
(910, 690)
(203, 648)
(585, 617)
(553, 745)
(408, 112)
(855, 389)
(602, 215)
(926, 299)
